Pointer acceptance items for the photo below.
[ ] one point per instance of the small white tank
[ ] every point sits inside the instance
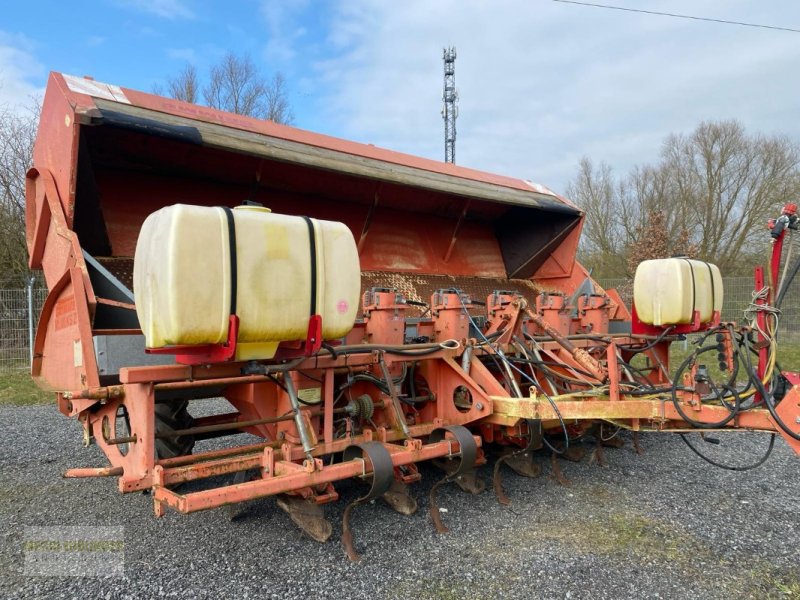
(182, 278)
(667, 291)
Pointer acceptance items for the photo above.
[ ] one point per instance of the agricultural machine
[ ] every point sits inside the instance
(361, 311)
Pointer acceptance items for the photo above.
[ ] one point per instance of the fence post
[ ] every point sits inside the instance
(30, 319)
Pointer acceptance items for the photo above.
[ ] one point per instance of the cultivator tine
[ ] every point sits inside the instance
(534, 440)
(557, 474)
(382, 478)
(234, 511)
(470, 482)
(398, 498)
(497, 482)
(468, 455)
(599, 455)
(307, 515)
(636, 445)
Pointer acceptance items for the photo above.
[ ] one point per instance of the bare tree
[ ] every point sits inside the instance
(185, 85)
(728, 184)
(17, 136)
(236, 85)
(597, 193)
(712, 191)
(277, 100)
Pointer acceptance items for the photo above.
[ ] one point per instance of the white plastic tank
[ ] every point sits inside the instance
(182, 278)
(667, 291)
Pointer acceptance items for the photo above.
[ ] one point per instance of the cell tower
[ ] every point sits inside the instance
(450, 110)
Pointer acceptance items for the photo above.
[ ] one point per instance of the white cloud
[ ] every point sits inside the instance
(167, 9)
(283, 30)
(20, 72)
(542, 84)
(184, 54)
(96, 40)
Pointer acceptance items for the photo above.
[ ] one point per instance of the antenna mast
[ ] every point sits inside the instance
(450, 110)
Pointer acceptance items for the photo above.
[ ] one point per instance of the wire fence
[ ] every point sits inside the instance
(17, 324)
(737, 296)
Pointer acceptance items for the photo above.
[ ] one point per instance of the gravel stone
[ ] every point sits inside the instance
(661, 525)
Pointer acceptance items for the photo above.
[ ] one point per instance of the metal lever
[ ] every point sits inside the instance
(398, 410)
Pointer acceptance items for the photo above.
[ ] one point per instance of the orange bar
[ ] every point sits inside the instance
(94, 472)
(270, 486)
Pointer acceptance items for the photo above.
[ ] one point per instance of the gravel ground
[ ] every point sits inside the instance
(664, 524)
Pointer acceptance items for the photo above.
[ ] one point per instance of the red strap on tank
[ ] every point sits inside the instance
(314, 336)
(204, 353)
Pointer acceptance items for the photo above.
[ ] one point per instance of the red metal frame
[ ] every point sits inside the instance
(401, 374)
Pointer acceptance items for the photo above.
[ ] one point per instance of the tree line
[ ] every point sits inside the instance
(709, 196)
(234, 84)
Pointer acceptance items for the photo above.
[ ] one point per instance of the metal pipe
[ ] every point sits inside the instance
(198, 383)
(466, 358)
(580, 355)
(305, 438)
(230, 425)
(30, 318)
(367, 348)
(94, 472)
(131, 439)
(233, 380)
(234, 425)
(598, 336)
(227, 426)
(101, 393)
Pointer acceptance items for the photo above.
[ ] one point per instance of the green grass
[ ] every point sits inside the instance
(788, 358)
(18, 389)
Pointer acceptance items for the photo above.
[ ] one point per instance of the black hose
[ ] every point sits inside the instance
(760, 462)
(787, 283)
(765, 395)
(676, 403)
(650, 345)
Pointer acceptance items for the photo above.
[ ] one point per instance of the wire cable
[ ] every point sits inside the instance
(678, 16)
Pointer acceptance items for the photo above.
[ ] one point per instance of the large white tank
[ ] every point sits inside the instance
(667, 291)
(182, 278)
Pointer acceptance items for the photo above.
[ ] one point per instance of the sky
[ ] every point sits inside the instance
(541, 83)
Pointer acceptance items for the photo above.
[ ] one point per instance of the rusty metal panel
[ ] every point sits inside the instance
(119, 267)
(420, 287)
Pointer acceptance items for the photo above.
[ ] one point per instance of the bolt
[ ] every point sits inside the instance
(797, 420)
(479, 405)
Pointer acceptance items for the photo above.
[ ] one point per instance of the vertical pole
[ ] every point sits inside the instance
(763, 353)
(30, 319)
(449, 110)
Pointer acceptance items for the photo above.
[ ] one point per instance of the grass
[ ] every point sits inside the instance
(788, 358)
(18, 389)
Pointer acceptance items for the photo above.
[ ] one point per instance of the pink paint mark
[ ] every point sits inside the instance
(342, 306)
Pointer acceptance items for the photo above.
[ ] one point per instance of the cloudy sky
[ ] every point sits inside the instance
(541, 83)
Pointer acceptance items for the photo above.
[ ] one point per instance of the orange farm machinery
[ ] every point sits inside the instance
(389, 310)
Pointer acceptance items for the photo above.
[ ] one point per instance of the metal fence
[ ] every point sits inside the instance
(17, 323)
(20, 306)
(737, 296)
